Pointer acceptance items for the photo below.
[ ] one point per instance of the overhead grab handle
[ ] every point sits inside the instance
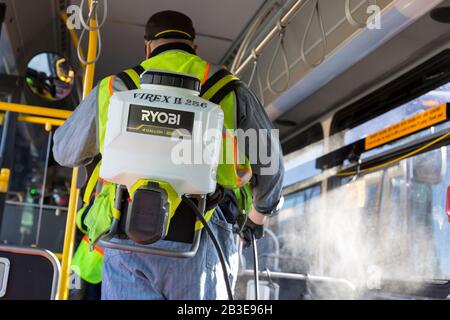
(255, 72)
(92, 27)
(93, 9)
(281, 47)
(316, 10)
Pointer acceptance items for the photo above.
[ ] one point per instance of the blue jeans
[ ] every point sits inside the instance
(139, 276)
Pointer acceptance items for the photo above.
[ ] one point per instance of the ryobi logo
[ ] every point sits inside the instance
(160, 121)
(160, 117)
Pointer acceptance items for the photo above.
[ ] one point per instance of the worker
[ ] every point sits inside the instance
(169, 46)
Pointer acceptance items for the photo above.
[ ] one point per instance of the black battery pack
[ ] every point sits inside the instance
(147, 215)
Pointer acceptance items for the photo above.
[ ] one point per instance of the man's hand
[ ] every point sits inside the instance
(254, 224)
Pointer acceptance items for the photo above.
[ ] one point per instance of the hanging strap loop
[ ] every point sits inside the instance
(281, 47)
(255, 72)
(316, 10)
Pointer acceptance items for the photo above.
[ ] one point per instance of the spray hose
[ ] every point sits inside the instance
(216, 244)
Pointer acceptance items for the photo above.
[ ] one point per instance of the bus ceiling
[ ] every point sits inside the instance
(333, 68)
(124, 28)
(357, 67)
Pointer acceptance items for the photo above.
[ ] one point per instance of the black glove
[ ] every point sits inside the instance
(247, 227)
(215, 198)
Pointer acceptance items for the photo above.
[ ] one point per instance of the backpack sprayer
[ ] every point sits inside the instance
(144, 128)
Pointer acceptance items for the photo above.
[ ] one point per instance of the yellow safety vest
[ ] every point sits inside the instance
(230, 174)
(88, 264)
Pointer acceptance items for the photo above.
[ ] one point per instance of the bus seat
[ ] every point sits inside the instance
(28, 273)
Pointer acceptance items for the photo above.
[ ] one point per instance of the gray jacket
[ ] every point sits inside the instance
(75, 142)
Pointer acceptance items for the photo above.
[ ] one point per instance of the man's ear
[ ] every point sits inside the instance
(195, 47)
(148, 49)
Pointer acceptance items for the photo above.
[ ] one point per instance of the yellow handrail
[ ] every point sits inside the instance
(63, 293)
(35, 110)
(47, 122)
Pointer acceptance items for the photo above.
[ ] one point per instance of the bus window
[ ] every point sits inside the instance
(300, 154)
(386, 225)
(292, 229)
(399, 228)
(299, 172)
(432, 99)
(403, 224)
(36, 203)
(427, 101)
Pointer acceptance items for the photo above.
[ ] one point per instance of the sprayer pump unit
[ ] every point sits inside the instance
(145, 131)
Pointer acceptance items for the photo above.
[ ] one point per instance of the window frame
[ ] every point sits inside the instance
(433, 73)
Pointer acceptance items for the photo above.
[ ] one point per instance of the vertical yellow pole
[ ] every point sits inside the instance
(74, 191)
(73, 35)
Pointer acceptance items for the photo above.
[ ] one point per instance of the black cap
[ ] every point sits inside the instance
(172, 79)
(169, 25)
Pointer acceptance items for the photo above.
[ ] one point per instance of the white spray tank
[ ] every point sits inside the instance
(163, 131)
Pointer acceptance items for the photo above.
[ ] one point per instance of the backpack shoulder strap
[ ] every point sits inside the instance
(219, 85)
(214, 89)
(130, 77)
